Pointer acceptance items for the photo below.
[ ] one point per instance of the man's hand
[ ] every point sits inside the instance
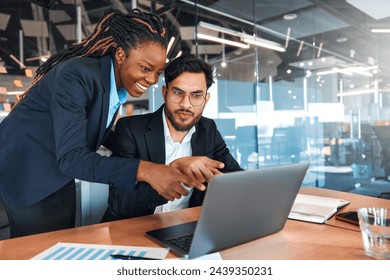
(166, 180)
(200, 168)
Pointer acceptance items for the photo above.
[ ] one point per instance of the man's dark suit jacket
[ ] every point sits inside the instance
(52, 136)
(142, 137)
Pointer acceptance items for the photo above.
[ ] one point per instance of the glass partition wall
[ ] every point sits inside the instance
(297, 82)
(301, 80)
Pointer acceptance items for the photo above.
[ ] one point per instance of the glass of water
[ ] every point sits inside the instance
(375, 227)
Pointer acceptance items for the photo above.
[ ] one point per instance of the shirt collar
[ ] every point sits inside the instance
(116, 96)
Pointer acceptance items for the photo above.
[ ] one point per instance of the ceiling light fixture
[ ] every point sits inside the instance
(42, 58)
(16, 92)
(287, 37)
(219, 28)
(342, 40)
(179, 54)
(332, 71)
(290, 16)
(319, 50)
(360, 92)
(223, 63)
(350, 71)
(260, 42)
(300, 48)
(3, 70)
(22, 66)
(29, 73)
(380, 30)
(222, 41)
(18, 83)
(170, 44)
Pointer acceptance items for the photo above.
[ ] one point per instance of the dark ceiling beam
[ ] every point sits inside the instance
(44, 3)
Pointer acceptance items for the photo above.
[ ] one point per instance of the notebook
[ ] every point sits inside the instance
(238, 207)
(315, 209)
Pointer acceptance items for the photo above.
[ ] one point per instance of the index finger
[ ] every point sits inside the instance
(215, 171)
(217, 164)
(193, 183)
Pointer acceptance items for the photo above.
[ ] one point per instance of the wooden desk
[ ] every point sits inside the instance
(298, 240)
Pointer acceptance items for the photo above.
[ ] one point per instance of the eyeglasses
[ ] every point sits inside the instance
(177, 96)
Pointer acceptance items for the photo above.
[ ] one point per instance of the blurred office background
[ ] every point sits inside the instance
(302, 80)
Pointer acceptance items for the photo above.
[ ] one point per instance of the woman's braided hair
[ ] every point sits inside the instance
(115, 29)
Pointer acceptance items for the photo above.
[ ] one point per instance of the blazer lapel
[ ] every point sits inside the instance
(198, 142)
(107, 131)
(105, 97)
(153, 137)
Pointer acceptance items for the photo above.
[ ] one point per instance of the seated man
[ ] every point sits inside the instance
(176, 134)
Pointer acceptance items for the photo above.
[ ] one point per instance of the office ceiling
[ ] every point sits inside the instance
(336, 29)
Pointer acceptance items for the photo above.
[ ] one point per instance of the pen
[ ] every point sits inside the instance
(126, 257)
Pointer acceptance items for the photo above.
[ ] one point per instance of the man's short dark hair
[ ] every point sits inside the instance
(189, 63)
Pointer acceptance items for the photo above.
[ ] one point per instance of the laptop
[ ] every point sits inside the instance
(238, 207)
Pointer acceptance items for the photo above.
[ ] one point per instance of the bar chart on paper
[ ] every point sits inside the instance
(79, 251)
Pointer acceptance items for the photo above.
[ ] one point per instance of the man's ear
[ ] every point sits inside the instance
(120, 55)
(207, 98)
(164, 92)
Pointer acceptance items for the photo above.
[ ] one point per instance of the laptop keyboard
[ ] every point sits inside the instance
(183, 242)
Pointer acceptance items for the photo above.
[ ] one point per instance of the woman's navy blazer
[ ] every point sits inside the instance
(52, 135)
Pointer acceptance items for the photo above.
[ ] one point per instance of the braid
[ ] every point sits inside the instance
(113, 30)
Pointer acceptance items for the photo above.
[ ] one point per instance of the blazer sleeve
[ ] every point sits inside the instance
(143, 199)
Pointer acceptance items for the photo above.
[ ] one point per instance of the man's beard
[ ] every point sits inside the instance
(181, 127)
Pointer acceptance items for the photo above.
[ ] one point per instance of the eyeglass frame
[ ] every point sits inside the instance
(170, 90)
